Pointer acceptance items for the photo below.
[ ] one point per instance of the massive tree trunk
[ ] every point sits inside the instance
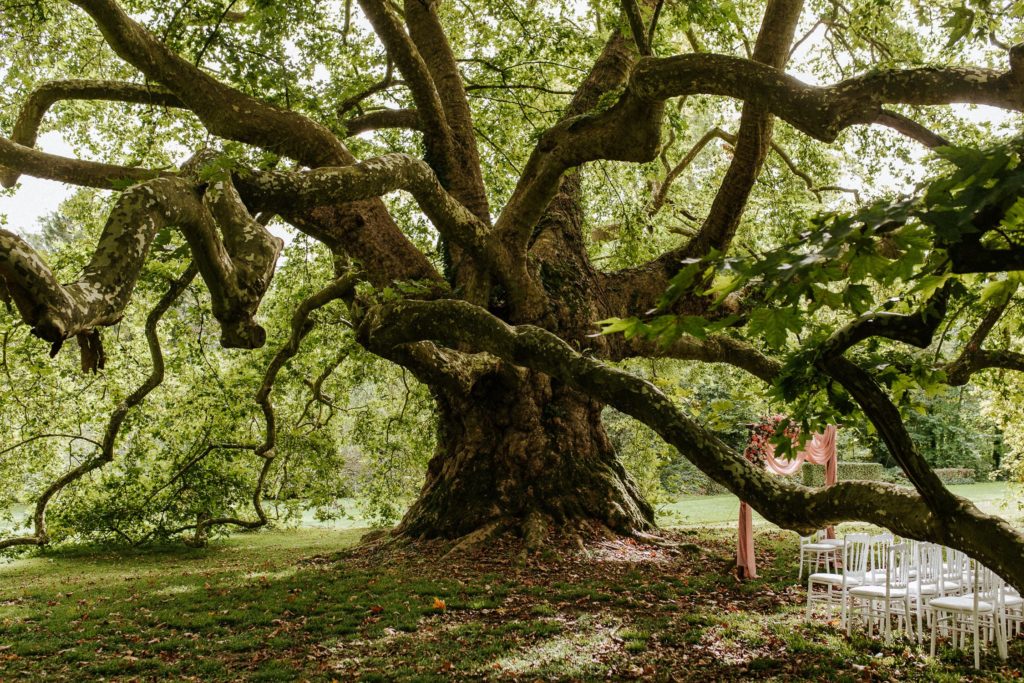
(518, 449)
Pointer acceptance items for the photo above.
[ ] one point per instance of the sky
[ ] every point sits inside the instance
(35, 198)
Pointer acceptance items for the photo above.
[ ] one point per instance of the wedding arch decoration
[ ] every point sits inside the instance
(820, 449)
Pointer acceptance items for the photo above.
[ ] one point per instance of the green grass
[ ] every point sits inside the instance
(282, 605)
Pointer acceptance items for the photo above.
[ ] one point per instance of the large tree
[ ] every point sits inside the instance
(501, 325)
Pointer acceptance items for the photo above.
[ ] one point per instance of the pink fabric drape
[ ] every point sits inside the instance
(819, 450)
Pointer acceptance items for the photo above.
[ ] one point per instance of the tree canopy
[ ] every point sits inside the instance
(485, 218)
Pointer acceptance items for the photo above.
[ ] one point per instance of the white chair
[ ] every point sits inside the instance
(980, 612)
(928, 582)
(1014, 606)
(824, 553)
(880, 602)
(878, 550)
(855, 558)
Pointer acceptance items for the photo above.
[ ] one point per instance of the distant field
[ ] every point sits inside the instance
(993, 497)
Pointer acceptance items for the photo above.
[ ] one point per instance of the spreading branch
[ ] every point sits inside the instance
(235, 255)
(449, 322)
(105, 451)
(39, 101)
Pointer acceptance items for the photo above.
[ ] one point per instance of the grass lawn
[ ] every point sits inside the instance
(993, 497)
(285, 605)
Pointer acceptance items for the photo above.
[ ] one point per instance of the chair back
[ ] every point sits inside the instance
(855, 557)
(928, 564)
(957, 568)
(878, 552)
(899, 558)
(988, 586)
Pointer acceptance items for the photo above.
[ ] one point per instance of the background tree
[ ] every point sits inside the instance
(270, 102)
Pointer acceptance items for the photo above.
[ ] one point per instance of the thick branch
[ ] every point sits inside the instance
(372, 178)
(753, 140)
(224, 111)
(963, 526)
(718, 349)
(466, 182)
(236, 267)
(383, 118)
(628, 131)
(26, 127)
(17, 159)
(916, 329)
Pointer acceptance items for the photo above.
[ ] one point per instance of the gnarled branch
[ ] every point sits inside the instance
(235, 254)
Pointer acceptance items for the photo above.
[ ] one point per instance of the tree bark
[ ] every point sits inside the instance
(519, 448)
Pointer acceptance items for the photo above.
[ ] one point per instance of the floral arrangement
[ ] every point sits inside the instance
(762, 434)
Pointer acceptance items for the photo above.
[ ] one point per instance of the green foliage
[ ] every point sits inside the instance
(814, 475)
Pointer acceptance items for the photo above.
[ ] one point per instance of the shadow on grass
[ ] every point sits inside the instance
(287, 606)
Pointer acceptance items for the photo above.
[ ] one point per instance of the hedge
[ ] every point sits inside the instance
(814, 475)
(955, 475)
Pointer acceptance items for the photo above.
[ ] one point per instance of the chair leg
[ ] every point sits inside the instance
(977, 646)
(935, 626)
(810, 593)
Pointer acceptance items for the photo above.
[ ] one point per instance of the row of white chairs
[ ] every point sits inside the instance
(908, 586)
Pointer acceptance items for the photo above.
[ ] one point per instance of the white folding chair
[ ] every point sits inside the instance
(855, 558)
(824, 553)
(981, 612)
(880, 602)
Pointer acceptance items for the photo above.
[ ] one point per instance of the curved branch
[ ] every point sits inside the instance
(961, 526)
(974, 358)
(911, 128)
(236, 268)
(718, 349)
(106, 448)
(916, 329)
(224, 111)
(37, 437)
(629, 130)
(300, 327)
(279, 191)
(26, 127)
(16, 160)
(383, 118)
